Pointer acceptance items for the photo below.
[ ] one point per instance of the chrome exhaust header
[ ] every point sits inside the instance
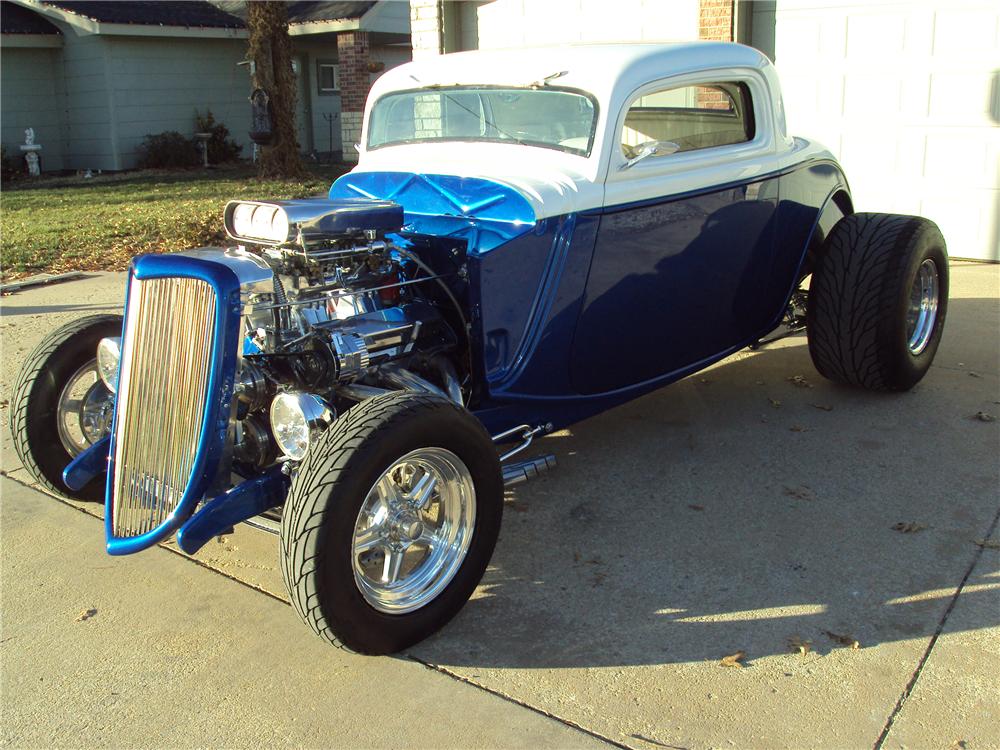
(521, 471)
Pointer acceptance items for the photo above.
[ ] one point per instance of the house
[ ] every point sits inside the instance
(905, 94)
(94, 78)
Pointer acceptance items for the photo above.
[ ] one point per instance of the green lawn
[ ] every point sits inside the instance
(68, 224)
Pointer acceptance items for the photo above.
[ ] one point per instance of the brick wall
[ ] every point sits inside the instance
(353, 55)
(426, 28)
(715, 20)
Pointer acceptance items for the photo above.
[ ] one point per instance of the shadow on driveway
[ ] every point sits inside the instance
(737, 510)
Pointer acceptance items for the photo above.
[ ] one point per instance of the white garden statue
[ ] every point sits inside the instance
(30, 150)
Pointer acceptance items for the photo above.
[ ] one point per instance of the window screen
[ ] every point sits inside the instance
(326, 76)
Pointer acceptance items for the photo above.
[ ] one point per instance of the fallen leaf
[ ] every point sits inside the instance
(86, 614)
(598, 579)
(775, 404)
(799, 428)
(843, 640)
(958, 745)
(822, 407)
(733, 660)
(800, 493)
(986, 543)
(799, 381)
(696, 507)
(908, 528)
(983, 416)
(797, 644)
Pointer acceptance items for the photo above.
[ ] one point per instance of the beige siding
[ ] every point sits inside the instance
(28, 80)
(89, 141)
(314, 132)
(158, 84)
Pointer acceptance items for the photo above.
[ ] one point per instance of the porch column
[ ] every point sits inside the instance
(715, 20)
(426, 28)
(355, 81)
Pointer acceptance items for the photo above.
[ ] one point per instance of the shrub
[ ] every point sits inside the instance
(168, 150)
(221, 148)
(9, 168)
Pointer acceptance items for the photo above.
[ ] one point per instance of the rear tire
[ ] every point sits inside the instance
(330, 559)
(34, 414)
(878, 300)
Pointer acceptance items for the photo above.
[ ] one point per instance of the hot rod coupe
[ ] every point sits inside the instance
(529, 238)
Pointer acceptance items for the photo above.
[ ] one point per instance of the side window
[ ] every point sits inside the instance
(692, 117)
(326, 78)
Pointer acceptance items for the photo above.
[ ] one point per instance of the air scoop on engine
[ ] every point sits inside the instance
(310, 220)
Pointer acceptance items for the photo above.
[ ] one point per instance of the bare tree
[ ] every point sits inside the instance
(270, 50)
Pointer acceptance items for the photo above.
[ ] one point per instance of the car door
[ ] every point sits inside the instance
(685, 237)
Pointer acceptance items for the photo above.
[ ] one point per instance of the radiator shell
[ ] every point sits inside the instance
(215, 274)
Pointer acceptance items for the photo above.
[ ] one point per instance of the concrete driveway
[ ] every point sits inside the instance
(754, 507)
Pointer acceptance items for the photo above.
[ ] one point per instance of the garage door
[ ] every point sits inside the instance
(907, 94)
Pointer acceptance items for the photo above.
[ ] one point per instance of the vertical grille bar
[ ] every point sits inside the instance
(167, 348)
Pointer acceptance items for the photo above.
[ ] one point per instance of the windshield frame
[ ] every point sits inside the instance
(442, 88)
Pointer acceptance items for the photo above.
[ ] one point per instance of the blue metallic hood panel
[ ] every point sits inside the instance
(484, 213)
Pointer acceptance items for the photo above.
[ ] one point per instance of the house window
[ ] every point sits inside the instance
(326, 77)
(693, 117)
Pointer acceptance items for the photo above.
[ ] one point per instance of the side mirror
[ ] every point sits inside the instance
(652, 148)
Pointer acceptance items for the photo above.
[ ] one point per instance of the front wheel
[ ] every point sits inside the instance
(60, 406)
(390, 522)
(877, 301)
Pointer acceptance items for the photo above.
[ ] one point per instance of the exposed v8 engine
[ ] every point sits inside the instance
(348, 313)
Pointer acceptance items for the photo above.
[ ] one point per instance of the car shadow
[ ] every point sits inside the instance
(752, 507)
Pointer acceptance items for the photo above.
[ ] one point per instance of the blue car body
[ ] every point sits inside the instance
(574, 305)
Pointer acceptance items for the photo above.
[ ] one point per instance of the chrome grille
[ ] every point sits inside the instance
(167, 346)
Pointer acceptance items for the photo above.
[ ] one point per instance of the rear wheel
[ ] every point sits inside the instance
(60, 405)
(390, 522)
(877, 301)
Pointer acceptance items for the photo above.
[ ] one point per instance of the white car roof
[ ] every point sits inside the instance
(601, 69)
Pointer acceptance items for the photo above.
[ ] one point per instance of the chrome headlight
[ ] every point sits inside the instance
(296, 421)
(109, 354)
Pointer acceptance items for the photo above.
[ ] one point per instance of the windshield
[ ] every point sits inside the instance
(550, 118)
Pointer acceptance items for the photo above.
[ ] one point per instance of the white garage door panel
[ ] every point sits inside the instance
(905, 94)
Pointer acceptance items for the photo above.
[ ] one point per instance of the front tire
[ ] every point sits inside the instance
(60, 406)
(877, 301)
(390, 522)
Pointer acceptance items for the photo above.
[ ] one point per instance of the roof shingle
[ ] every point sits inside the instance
(16, 19)
(166, 13)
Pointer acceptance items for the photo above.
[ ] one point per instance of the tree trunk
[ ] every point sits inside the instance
(270, 50)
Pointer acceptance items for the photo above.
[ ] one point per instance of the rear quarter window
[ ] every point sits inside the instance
(693, 117)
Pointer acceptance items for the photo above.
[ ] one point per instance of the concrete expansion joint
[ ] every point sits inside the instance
(911, 685)
(511, 699)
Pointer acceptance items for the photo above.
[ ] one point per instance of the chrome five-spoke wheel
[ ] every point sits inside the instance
(922, 311)
(413, 530)
(84, 410)
(390, 521)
